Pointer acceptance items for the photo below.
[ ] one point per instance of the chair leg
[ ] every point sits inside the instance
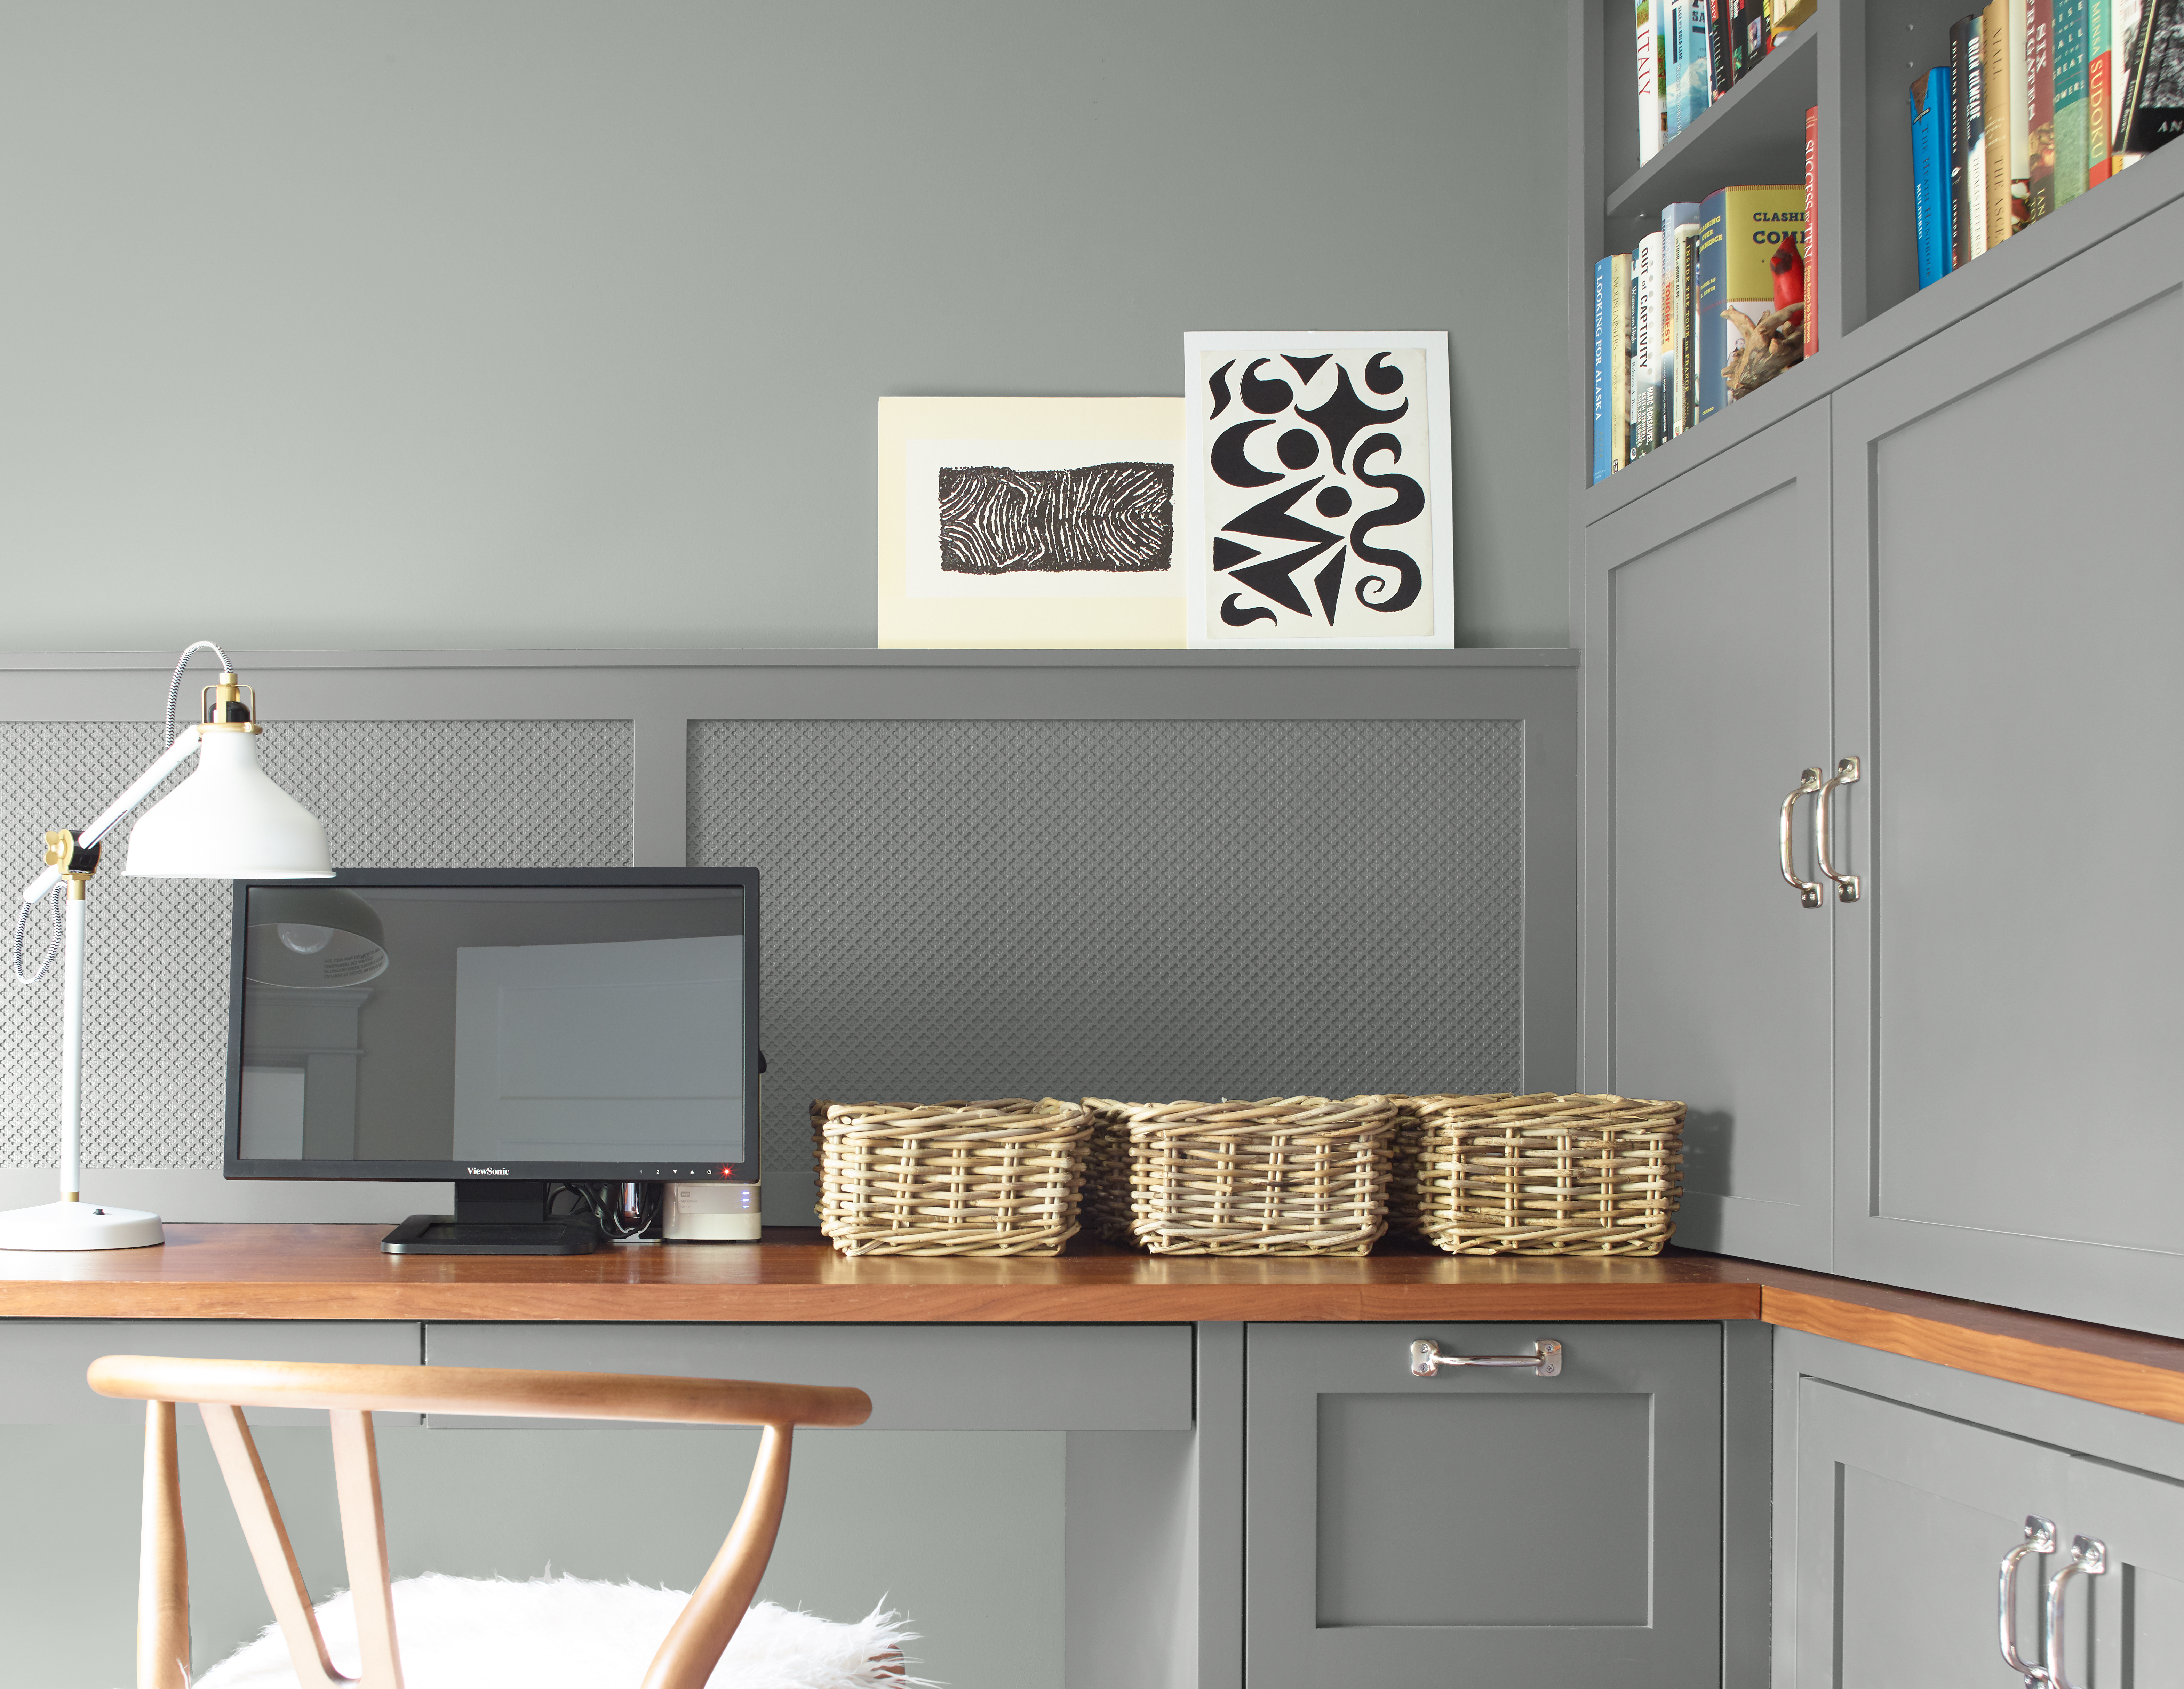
(702, 1632)
(268, 1538)
(163, 1570)
(364, 1538)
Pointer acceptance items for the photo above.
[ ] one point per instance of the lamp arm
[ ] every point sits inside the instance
(138, 790)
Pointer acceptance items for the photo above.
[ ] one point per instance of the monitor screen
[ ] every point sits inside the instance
(598, 1024)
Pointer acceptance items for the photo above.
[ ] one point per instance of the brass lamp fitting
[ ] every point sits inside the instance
(76, 863)
(221, 708)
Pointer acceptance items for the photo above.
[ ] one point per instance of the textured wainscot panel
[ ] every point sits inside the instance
(393, 794)
(1147, 909)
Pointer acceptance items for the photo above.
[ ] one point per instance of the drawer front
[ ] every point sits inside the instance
(1485, 1524)
(920, 1377)
(43, 1361)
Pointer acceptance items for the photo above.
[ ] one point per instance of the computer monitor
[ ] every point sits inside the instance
(506, 1029)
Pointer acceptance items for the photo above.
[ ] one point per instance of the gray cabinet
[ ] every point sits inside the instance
(1707, 695)
(2009, 582)
(1484, 1525)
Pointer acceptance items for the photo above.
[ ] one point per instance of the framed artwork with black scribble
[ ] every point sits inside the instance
(1317, 502)
(1030, 522)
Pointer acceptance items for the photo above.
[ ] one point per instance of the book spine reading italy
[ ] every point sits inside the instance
(1994, 98)
(2070, 143)
(2040, 105)
(1650, 107)
(1645, 346)
(1811, 230)
(1619, 369)
(1929, 183)
(2100, 87)
(1604, 275)
(1972, 101)
(1960, 66)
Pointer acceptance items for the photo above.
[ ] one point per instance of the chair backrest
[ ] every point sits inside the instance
(222, 1389)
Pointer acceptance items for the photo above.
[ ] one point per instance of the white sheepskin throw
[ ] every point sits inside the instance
(573, 1633)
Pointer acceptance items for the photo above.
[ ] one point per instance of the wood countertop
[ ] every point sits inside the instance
(337, 1272)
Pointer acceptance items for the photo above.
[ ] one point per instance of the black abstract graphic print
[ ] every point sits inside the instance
(1115, 518)
(1315, 489)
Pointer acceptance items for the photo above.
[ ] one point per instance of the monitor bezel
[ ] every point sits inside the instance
(746, 880)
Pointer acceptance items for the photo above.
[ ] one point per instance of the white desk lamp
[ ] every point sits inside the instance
(226, 821)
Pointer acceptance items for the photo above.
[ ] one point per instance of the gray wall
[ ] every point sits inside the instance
(537, 323)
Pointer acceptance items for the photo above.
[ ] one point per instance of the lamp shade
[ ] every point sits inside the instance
(229, 821)
(314, 938)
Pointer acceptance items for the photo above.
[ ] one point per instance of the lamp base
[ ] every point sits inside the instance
(79, 1225)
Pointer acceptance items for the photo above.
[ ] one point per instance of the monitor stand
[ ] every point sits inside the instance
(493, 1217)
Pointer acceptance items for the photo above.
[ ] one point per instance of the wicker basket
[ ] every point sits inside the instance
(1288, 1175)
(997, 1178)
(1107, 1170)
(1548, 1174)
(1406, 1219)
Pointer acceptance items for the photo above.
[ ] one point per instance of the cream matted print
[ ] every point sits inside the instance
(1031, 522)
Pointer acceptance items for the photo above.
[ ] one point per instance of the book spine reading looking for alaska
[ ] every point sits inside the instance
(2040, 106)
(1930, 188)
(2069, 25)
(1651, 107)
(1603, 275)
(1994, 99)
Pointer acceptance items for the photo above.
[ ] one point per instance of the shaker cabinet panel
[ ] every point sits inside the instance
(1707, 678)
(2009, 584)
(1483, 1523)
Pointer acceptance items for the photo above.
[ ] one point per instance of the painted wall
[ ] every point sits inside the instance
(505, 323)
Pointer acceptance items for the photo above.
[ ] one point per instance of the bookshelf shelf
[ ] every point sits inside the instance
(1756, 134)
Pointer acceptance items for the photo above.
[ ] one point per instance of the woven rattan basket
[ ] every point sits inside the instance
(1548, 1174)
(1287, 1176)
(997, 1178)
(1107, 1170)
(1406, 1219)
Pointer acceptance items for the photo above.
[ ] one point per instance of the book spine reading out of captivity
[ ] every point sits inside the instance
(1971, 101)
(2070, 25)
(1645, 346)
(1741, 232)
(1960, 65)
(1929, 183)
(1650, 107)
(2040, 106)
(2156, 116)
(1811, 230)
(1995, 101)
(2018, 19)
(2100, 87)
(1603, 275)
(1721, 70)
(1619, 369)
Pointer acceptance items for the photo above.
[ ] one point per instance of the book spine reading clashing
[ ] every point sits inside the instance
(2040, 105)
(2070, 143)
(2100, 87)
(1972, 101)
(1960, 65)
(1619, 369)
(1811, 230)
(1650, 107)
(1994, 93)
(1929, 183)
(1603, 277)
(1645, 346)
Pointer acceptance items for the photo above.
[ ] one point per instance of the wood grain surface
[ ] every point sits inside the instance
(337, 1272)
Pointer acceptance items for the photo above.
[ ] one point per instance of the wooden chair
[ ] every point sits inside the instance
(221, 1389)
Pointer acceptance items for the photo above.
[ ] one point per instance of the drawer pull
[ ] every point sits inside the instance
(1824, 824)
(1545, 1359)
(2039, 1539)
(1808, 891)
(2087, 1555)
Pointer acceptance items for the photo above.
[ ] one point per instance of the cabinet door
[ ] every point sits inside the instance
(2126, 1629)
(2009, 586)
(1486, 1525)
(1903, 1518)
(1706, 978)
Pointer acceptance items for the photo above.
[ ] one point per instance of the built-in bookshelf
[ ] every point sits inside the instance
(1855, 61)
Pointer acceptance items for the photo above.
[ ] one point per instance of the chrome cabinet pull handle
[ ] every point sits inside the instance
(1808, 891)
(1545, 1359)
(2039, 1539)
(1823, 830)
(2087, 1555)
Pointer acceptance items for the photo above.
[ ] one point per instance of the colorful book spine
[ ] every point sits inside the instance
(1679, 231)
(1740, 229)
(1684, 40)
(1994, 90)
(2019, 17)
(1929, 180)
(2070, 138)
(1603, 277)
(1648, 45)
(1619, 369)
(1960, 66)
(2100, 87)
(2040, 101)
(1645, 346)
(1972, 102)
(1721, 65)
(2157, 95)
(1811, 230)
(2123, 43)
(1747, 44)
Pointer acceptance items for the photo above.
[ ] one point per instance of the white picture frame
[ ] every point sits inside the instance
(1331, 597)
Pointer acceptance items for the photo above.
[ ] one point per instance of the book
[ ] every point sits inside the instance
(1740, 230)
(2069, 17)
(2020, 117)
(1650, 107)
(2040, 106)
(1972, 102)
(1994, 97)
(1680, 231)
(1698, 62)
(1929, 180)
(1683, 43)
(1645, 346)
(2157, 94)
(2100, 90)
(1811, 230)
(1747, 43)
(1603, 278)
(2123, 43)
(1784, 16)
(1960, 67)
(1618, 368)
(1721, 67)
